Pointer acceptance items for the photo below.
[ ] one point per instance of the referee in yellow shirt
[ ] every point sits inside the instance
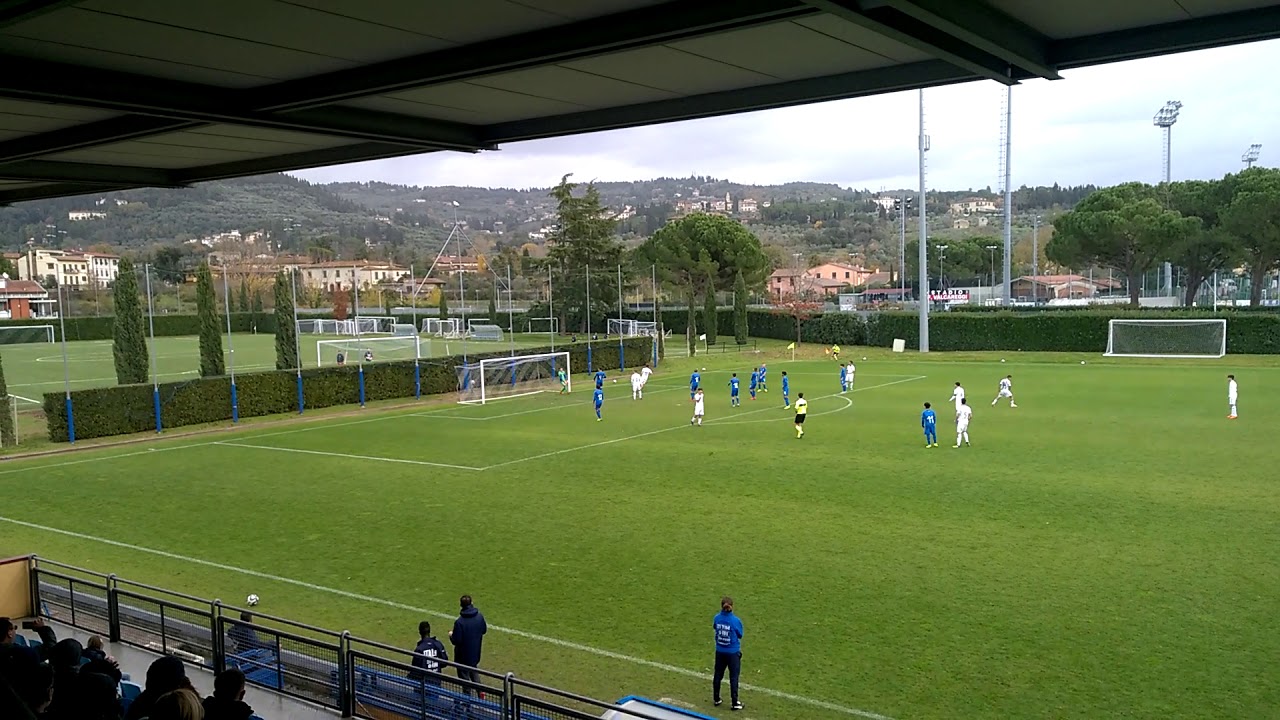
(835, 353)
(802, 407)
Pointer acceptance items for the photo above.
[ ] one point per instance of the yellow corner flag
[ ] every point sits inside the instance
(792, 346)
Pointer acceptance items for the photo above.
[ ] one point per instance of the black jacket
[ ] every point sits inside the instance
(425, 656)
(220, 709)
(468, 636)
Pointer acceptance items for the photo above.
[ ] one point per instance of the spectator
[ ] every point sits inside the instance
(227, 701)
(32, 683)
(9, 631)
(728, 632)
(243, 637)
(107, 667)
(65, 661)
(97, 696)
(94, 650)
(467, 637)
(164, 676)
(427, 654)
(181, 704)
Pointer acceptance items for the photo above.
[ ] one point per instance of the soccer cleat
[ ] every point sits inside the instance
(599, 419)
(718, 702)
(1013, 405)
(1231, 417)
(736, 705)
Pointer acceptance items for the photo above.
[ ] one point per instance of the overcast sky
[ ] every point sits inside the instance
(1093, 126)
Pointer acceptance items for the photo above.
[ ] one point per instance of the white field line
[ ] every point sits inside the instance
(674, 669)
(79, 381)
(443, 413)
(677, 427)
(847, 404)
(101, 459)
(348, 456)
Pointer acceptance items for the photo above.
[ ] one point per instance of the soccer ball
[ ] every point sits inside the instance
(1001, 359)
(704, 369)
(615, 380)
(251, 600)
(1081, 362)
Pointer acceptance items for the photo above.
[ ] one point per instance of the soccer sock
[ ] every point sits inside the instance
(1233, 408)
(966, 437)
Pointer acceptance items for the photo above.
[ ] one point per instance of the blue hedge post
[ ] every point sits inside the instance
(71, 422)
(235, 404)
(622, 354)
(417, 380)
(155, 402)
(301, 402)
(589, 360)
(361, 373)
(655, 352)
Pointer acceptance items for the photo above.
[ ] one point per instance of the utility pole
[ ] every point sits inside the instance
(922, 287)
(1008, 195)
(1035, 258)
(1164, 119)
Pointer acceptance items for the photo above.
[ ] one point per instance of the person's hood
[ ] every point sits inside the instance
(95, 691)
(166, 674)
(66, 654)
(223, 708)
(469, 611)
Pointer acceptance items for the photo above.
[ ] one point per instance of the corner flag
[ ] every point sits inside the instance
(792, 346)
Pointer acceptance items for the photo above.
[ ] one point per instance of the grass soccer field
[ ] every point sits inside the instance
(32, 369)
(1107, 549)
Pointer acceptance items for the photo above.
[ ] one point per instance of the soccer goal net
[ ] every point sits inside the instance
(448, 327)
(1167, 338)
(404, 329)
(631, 328)
(542, 325)
(15, 334)
(509, 377)
(351, 326)
(375, 323)
(486, 333)
(373, 349)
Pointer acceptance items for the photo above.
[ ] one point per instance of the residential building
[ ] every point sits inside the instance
(23, 300)
(972, 205)
(886, 202)
(846, 274)
(748, 206)
(960, 223)
(452, 264)
(787, 282)
(340, 274)
(79, 215)
(70, 268)
(1058, 286)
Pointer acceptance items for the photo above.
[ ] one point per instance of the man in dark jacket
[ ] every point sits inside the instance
(227, 701)
(467, 637)
(9, 632)
(427, 655)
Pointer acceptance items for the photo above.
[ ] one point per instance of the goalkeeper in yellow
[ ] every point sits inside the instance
(802, 409)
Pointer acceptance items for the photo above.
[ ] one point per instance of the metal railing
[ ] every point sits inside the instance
(357, 677)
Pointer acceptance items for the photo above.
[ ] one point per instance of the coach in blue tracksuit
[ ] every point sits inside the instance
(728, 631)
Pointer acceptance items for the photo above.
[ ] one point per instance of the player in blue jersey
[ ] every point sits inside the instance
(755, 380)
(764, 380)
(695, 381)
(599, 379)
(844, 378)
(929, 421)
(734, 400)
(786, 390)
(599, 401)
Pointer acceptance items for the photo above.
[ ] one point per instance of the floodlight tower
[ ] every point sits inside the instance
(1251, 155)
(1164, 119)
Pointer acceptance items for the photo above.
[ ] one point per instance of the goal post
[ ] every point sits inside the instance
(1202, 338)
(509, 377)
(542, 325)
(352, 350)
(622, 327)
(15, 334)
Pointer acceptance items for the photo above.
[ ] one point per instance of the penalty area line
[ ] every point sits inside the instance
(348, 456)
(567, 644)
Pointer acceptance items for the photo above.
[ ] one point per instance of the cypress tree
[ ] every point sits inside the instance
(740, 309)
(493, 306)
(128, 337)
(444, 306)
(709, 319)
(243, 304)
(286, 330)
(693, 324)
(8, 433)
(211, 360)
(662, 342)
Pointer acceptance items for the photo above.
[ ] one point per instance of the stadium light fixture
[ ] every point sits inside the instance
(1251, 155)
(992, 249)
(941, 249)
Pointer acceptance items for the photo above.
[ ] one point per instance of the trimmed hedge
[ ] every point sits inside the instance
(126, 409)
(99, 328)
(1069, 331)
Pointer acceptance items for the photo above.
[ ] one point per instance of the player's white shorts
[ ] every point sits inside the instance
(697, 411)
(635, 387)
(1006, 392)
(962, 427)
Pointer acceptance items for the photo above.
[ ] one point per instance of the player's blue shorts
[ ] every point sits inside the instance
(733, 393)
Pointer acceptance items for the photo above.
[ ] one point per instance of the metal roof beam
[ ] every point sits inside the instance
(983, 27)
(13, 12)
(79, 137)
(880, 18)
(189, 104)
(1181, 36)
(86, 173)
(631, 29)
(54, 190)
(795, 92)
(292, 161)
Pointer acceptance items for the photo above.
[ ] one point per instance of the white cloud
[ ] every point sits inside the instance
(1094, 126)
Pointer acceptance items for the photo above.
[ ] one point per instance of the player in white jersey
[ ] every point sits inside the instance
(957, 396)
(645, 372)
(637, 386)
(963, 413)
(699, 408)
(849, 374)
(1232, 394)
(1006, 391)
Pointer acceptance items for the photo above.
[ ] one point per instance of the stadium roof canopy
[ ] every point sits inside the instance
(107, 94)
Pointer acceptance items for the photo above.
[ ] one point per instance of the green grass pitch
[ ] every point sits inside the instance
(1107, 549)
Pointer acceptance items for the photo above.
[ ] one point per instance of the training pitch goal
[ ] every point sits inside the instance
(1167, 338)
(352, 350)
(498, 378)
(14, 334)
(631, 328)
